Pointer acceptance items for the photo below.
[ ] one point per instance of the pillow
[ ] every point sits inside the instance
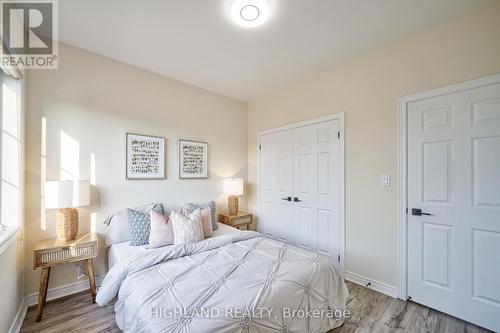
(118, 223)
(206, 222)
(213, 211)
(206, 219)
(161, 232)
(187, 228)
(140, 227)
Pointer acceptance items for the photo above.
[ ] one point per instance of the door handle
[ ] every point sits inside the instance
(295, 199)
(287, 199)
(418, 212)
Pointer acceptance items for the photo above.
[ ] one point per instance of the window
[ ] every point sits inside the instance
(11, 157)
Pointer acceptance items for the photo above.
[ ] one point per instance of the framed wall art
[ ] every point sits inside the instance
(193, 159)
(145, 157)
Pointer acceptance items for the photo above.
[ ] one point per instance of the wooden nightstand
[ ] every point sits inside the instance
(238, 220)
(53, 252)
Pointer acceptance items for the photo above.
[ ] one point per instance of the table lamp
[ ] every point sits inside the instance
(233, 187)
(65, 196)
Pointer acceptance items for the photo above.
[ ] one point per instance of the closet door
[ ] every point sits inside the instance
(276, 184)
(302, 164)
(316, 187)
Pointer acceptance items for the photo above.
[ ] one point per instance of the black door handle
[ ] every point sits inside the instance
(418, 212)
(287, 199)
(295, 199)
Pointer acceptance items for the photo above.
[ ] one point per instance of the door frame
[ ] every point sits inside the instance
(340, 116)
(402, 147)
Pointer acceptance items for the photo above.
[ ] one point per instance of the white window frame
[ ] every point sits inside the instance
(8, 234)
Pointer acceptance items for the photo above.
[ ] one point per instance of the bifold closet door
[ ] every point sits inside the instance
(299, 187)
(316, 183)
(276, 184)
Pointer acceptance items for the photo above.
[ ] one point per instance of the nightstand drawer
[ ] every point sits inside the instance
(241, 220)
(52, 251)
(54, 256)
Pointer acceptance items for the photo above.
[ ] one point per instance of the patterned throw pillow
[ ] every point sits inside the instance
(213, 211)
(206, 219)
(140, 226)
(187, 228)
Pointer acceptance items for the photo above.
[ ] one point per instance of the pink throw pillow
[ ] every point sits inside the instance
(161, 233)
(206, 222)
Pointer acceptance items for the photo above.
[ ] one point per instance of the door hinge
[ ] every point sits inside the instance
(338, 135)
(338, 258)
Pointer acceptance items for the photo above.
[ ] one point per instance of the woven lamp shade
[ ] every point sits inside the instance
(65, 195)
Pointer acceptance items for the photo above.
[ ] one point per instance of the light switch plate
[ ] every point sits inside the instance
(385, 180)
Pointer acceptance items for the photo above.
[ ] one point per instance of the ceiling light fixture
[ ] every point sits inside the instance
(249, 13)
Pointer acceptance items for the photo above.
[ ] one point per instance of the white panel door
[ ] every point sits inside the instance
(303, 164)
(267, 162)
(454, 175)
(316, 187)
(276, 184)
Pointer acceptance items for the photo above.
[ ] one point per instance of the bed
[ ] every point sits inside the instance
(234, 281)
(123, 251)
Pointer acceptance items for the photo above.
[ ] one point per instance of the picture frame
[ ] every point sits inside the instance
(145, 156)
(193, 159)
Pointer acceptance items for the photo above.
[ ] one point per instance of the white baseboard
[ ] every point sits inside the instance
(19, 319)
(52, 294)
(381, 287)
(61, 291)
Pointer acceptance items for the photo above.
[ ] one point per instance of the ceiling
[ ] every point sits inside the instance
(196, 42)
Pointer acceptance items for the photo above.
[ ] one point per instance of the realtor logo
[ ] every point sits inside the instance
(29, 34)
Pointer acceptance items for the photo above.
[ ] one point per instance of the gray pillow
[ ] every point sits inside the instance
(140, 226)
(213, 211)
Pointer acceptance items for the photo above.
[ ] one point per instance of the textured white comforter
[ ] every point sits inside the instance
(241, 282)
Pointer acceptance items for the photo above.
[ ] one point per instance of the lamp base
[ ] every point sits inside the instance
(67, 224)
(232, 204)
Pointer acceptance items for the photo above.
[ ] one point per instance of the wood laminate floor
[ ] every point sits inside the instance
(370, 312)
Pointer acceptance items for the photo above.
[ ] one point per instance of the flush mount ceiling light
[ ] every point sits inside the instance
(249, 13)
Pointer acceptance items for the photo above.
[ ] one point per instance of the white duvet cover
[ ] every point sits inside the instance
(238, 282)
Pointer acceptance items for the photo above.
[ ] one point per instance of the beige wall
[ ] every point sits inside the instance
(94, 101)
(11, 280)
(366, 89)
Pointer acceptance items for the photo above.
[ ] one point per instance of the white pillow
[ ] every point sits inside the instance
(187, 228)
(161, 233)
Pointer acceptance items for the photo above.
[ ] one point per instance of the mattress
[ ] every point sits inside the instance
(123, 251)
